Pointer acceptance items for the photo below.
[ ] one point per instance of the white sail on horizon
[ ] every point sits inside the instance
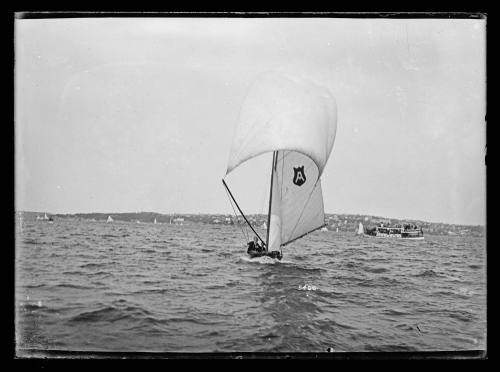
(360, 229)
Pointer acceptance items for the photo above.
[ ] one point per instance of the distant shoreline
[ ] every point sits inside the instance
(342, 222)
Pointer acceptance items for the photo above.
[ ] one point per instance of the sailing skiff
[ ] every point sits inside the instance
(296, 120)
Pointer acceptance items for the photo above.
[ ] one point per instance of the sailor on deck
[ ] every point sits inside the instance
(254, 245)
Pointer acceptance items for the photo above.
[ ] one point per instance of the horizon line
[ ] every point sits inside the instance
(248, 214)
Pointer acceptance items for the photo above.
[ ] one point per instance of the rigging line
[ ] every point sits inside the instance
(282, 170)
(275, 159)
(235, 213)
(301, 236)
(243, 228)
(303, 209)
(242, 214)
(288, 152)
(263, 203)
(281, 189)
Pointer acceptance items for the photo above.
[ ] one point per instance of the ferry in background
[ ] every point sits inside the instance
(402, 231)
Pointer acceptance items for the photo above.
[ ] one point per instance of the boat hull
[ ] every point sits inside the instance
(273, 254)
(395, 236)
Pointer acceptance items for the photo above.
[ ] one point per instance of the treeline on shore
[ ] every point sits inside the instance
(334, 222)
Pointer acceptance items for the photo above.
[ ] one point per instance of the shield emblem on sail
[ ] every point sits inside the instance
(299, 177)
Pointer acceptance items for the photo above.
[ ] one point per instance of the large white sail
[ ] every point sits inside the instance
(296, 119)
(282, 112)
(297, 199)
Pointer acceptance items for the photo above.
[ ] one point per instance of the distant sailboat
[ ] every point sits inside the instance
(109, 219)
(324, 229)
(361, 230)
(45, 218)
(155, 221)
(296, 120)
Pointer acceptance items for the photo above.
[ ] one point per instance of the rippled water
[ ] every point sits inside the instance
(83, 285)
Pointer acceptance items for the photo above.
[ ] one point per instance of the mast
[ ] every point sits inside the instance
(275, 158)
(232, 197)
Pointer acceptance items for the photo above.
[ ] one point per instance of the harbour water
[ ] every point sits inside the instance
(121, 286)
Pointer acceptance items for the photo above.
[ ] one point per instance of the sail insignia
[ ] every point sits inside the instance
(299, 177)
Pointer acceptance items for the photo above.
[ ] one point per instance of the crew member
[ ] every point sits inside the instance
(254, 245)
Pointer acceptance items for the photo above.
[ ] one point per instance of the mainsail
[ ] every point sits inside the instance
(296, 119)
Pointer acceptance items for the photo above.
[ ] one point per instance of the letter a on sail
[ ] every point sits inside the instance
(299, 176)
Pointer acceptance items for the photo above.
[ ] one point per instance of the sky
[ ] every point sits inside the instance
(131, 114)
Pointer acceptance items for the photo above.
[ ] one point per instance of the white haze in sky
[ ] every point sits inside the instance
(123, 115)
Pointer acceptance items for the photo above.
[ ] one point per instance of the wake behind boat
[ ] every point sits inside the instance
(296, 120)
